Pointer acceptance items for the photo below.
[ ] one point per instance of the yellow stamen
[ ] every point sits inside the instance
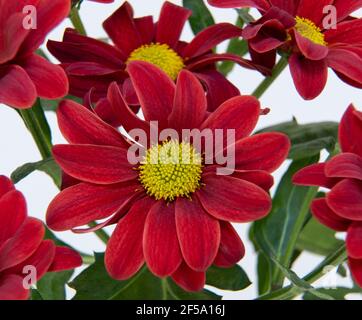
(309, 30)
(171, 170)
(161, 55)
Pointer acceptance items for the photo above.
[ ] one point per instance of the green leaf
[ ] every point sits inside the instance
(277, 234)
(201, 16)
(245, 16)
(233, 278)
(318, 239)
(94, 283)
(174, 292)
(264, 274)
(48, 166)
(52, 105)
(308, 139)
(52, 285)
(35, 295)
(338, 293)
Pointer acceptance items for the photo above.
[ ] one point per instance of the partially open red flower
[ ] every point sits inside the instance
(171, 213)
(302, 29)
(90, 63)
(24, 75)
(341, 209)
(22, 245)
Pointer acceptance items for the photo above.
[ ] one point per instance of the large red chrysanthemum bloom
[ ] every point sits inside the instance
(174, 216)
(22, 244)
(24, 75)
(298, 27)
(341, 209)
(90, 63)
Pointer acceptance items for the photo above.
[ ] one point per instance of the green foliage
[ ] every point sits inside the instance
(52, 285)
(233, 278)
(201, 17)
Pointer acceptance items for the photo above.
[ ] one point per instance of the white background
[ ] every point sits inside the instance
(17, 147)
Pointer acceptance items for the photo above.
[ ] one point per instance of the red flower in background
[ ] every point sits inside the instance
(176, 218)
(341, 209)
(296, 27)
(22, 244)
(24, 75)
(90, 63)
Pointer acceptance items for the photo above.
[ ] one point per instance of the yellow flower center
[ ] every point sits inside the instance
(309, 30)
(161, 55)
(171, 170)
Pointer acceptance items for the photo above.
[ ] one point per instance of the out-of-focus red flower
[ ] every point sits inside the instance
(299, 28)
(22, 244)
(175, 217)
(24, 75)
(341, 209)
(90, 63)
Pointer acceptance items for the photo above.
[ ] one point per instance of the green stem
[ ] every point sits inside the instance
(268, 81)
(77, 21)
(39, 135)
(87, 259)
(290, 292)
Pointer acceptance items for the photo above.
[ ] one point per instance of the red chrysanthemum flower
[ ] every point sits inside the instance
(90, 63)
(22, 244)
(175, 216)
(297, 27)
(24, 75)
(341, 209)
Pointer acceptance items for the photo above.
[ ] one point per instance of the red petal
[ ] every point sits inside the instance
(231, 248)
(160, 243)
(259, 4)
(189, 279)
(156, 98)
(218, 88)
(350, 131)
(6, 185)
(235, 200)
(347, 32)
(84, 203)
(12, 288)
(345, 165)
(346, 199)
(346, 7)
(146, 28)
(310, 77)
(314, 175)
(309, 49)
(95, 164)
(261, 178)
(121, 28)
(50, 80)
(326, 216)
(346, 62)
(190, 105)
(247, 109)
(171, 22)
(65, 259)
(313, 10)
(125, 116)
(12, 214)
(209, 38)
(23, 244)
(124, 253)
(355, 265)
(265, 151)
(198, 233)
(49, 14)
(354, 240)
(16, 88)
(81, 126)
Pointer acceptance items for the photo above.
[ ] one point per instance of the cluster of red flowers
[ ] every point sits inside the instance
(172, 210)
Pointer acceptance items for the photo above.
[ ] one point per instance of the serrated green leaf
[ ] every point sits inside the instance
(201, 16)
(309, 139)
(49, 166)
(52, 285)
(277, 234)
(318, 239)
(233, 278)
